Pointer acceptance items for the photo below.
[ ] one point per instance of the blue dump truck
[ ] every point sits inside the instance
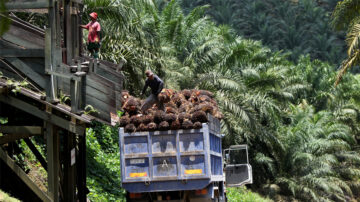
(181, 165)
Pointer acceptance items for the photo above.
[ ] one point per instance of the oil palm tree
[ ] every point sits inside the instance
(317, 162)
(346, 17)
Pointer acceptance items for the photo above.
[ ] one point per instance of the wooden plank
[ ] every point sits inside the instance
(63, 75)
(30, 130)
(65, 124)
(28, 27)
(69, 187)
(22, 175)
(110, 99)
(13, 137)
(59, 107)
(24, 38)
(77, 1)
(81, 169)
(52, 143)
(27, 71)
(37, 154)
(109, 74)
(22, 53)
(27, 4)
(68, 33)
(95, 83)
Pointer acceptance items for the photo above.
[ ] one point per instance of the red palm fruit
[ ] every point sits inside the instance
(206, 92)
(171, 104)
(186, 93)
(159, 116)
(217, 114)
(170, 110)
(152, 126)
(124, 120)
(204, 98)
(175, 125)
(197, 125)
(132, 104)
(187, 124)
(136, 120)
(194, 98)
(183, 116)
(124, 96)
(142, 127)
(163, 98)
(170, 118)
(199, 116)
(187, 107)
(129, 128)
(206, 107)
(178, 99)
(213, 102)
(164, 125)
(147, 119)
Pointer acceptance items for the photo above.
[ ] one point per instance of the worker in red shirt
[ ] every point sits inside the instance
(93, 42)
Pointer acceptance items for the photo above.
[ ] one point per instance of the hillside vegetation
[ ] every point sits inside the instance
(302, 132)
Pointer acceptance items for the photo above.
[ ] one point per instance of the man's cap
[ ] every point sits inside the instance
(94, 15)
(148, 73)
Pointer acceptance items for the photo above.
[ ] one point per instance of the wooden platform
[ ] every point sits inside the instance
(52, 60)
(23, 50)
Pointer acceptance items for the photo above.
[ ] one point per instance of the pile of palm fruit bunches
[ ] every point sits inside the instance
(186, 109)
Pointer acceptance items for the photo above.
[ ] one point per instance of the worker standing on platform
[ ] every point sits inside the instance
(156, 85)
(93, 42)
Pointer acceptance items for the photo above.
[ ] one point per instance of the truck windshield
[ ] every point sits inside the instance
(238, 156)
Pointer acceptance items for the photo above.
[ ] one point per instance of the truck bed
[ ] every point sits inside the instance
(171, 160)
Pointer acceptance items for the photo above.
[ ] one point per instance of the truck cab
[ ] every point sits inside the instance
(237, 169)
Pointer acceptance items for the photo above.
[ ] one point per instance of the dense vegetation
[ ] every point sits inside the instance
(302, 132)
(297, 26)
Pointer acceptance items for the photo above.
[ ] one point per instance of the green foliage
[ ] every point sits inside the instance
(7, 198)
(299, 27)
(346, 17)
(89, 109)
(103, 164)
(244, 195)
(16, 86)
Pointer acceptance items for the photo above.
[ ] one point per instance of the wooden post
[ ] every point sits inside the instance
(69, 187)
(73, 97)
(68, 30)
(52, 139)
(81, 169)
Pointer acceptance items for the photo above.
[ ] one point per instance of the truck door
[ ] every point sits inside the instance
(238, 171)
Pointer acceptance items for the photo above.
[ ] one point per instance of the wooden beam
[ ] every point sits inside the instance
(27, 4)
(13, 137)
(28, 71)
(52, 143)
(69, 187)
(77, 1)
(7, 53)
(58, 121)
(22, 175)
(63, 75)
(30, 130)
(37, 154)
(81, 169)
